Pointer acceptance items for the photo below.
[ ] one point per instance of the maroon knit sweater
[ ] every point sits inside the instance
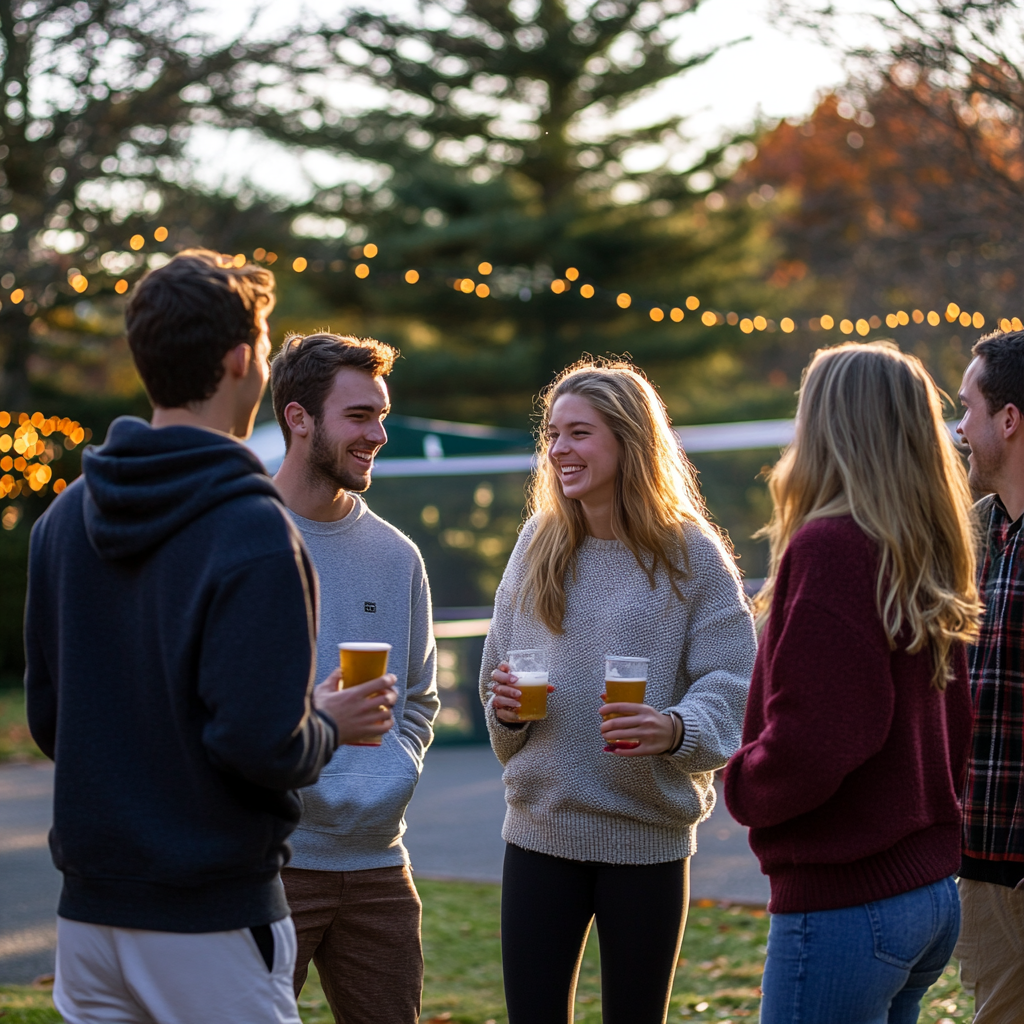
(850, 769)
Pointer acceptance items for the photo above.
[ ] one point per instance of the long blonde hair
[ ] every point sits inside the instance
(870, 442)
(656, 488)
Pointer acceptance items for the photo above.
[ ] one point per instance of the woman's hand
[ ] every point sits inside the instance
(640, 731)
(506, 694)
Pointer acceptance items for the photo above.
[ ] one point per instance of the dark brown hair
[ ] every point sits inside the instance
(1001, 381)
(183, 318)
(305, 368)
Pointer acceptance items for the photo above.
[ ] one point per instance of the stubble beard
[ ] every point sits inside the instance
(984, 469)
(325, 466)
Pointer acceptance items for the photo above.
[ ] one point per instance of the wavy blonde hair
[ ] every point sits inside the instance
(656, 490)
(871, 443)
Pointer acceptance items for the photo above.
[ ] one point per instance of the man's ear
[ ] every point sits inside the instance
(238, 360)
(299, 421)
(1012, 424)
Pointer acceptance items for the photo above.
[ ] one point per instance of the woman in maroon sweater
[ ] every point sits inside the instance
(859, 717)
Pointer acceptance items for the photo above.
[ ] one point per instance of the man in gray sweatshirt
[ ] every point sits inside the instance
(356, 911)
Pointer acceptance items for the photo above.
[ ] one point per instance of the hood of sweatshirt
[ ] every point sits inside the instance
(145, 484)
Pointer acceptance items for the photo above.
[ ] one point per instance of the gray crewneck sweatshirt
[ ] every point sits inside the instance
(373, 587)
(564, 796)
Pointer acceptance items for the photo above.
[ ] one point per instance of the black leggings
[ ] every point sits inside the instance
(547, 905)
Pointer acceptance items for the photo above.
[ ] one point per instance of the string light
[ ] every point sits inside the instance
(953, 313)
(28, 451)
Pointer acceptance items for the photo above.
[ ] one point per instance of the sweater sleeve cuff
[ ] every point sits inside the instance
(691, 733)
(333, 729)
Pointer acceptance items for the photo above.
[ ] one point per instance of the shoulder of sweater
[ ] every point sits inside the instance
(391, 534)
(833, 563)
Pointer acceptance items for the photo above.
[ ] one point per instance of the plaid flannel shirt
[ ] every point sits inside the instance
(994, 789)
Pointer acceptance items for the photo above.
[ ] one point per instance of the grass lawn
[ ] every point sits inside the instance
(15, 742)
(717, 978)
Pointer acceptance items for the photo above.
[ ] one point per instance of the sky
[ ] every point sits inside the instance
(777, 73)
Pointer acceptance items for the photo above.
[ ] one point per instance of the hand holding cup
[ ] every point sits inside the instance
(359, 711)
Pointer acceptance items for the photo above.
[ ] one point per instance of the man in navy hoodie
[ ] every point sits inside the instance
(170, 637)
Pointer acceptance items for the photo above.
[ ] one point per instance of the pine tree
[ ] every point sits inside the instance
(499, 164)
(99, 100)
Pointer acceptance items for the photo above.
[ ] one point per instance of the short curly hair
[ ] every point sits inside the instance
(303, 371)
(1001, 381)
(184, 317)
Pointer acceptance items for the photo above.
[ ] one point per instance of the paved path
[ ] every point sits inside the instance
(454, 832)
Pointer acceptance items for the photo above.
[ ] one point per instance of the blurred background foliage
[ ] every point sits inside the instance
(486, 160)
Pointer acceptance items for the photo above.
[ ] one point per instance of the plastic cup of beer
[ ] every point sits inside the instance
(361, 662)
(531, 670)
(625, 681)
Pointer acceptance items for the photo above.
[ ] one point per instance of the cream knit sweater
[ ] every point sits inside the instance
(565, 796)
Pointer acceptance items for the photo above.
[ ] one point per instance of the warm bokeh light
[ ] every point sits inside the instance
(362, 270)
(827, 323)
(917, 316)
(59, 485)
(676, 313)
(17, 295)
(369, 251)
(846, 326)
(259, 254)
(1005, 325)
(657, 315)
(1016, 324)
(412, 276)
(746, 325)
(623, 299)
(952, 312)
(299, 264)
(572, 273)
(79, 282)
(708, 319)
(890, 320)
(863, 327)
(121, 286)
(239, 259)
(161, 234)
(692, 302)
(136, 242)
(467, 285)
(965, 319)
(933, 318)
(787, 325)
(482, 290)
(483, 269)
(901, 318)
(760, 323)
(587, 291)
(977, 321)
(558, 286)
(271, 257)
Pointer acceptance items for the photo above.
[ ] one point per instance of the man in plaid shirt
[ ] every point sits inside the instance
(991, 946)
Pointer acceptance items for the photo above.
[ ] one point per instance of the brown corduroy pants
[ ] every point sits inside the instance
(362, 930)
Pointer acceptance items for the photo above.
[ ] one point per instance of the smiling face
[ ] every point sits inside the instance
(583, 451)
(981, 431)
(350, 431)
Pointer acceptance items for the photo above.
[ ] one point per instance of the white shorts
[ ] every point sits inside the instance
(129, 976)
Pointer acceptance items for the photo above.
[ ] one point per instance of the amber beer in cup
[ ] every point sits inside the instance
(625, 681)
(361, 662)
(531, 670)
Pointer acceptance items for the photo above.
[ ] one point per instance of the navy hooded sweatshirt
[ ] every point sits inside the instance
(170, 639)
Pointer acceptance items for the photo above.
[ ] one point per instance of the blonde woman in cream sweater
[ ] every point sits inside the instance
(617, 558)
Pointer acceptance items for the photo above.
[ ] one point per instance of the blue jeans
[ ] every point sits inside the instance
(868, 964)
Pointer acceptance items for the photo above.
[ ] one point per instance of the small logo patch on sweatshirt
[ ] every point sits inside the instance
(369, 606)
